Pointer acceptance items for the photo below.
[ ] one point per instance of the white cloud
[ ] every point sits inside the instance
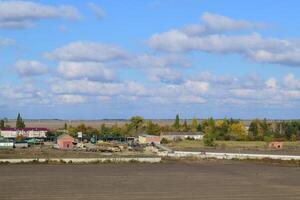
(210, 38)
(96, 88)
(71, 99)
(291, 82)
(89, 70)
(271, 83)
(96, 9)
(22, 14)
(30, 68)
(87, 51)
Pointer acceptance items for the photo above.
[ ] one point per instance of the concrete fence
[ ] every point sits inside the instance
(229, 156)
(82, 160)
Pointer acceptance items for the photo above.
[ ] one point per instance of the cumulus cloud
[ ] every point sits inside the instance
(96, 9)
(22, 14)
(271, 83)
(291, 82)
(87, 51)
(89, 70)
(211, 38)
(30, 68)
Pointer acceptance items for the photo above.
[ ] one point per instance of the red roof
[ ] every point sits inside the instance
(24, 129)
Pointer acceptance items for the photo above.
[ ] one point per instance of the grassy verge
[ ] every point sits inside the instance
(254, 145)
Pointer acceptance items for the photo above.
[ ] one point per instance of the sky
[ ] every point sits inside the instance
(115, 59)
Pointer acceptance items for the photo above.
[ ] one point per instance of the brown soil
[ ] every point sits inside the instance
(176, 180)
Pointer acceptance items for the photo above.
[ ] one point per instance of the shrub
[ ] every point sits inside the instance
(164, 141)
(209, 141)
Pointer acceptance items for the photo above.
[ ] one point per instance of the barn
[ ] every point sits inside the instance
(65, 141)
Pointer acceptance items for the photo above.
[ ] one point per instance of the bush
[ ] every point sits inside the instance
(209, 141)
(164, 141)
(190, 138)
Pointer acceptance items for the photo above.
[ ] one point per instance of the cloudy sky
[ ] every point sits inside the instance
(114, 59)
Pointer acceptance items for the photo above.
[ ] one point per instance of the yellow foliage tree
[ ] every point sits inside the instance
(238, 131)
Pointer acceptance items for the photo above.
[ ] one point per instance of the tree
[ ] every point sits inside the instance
(237, 131)
(20, 123)
(66, 126)
(2, 124)
(194, 125)
(176, 124)
(185, 126)
(137, 122)
(152, 128)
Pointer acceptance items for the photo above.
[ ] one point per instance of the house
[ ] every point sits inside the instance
(149, 139)
(182, 135)
(65, 141)
(12, 133)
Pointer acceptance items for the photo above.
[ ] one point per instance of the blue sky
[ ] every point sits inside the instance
(115, 59)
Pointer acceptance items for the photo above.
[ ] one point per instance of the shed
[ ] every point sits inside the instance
(65, 141)
(148, 139)
(276, 145)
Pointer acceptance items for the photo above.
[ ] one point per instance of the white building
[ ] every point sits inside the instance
(182, 135)
(25, 132)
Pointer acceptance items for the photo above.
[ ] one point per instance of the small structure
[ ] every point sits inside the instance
(65, 141)
(22, 145)
(182, 135)
(276, 145)
(12, 133)
(149, 139)
(5, 143)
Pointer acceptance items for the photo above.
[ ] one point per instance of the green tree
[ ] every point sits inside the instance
(152, 128)
(185, 126)
(136, 122)
(66, 126)
(176, 124)
(20, 123)
(2, 124)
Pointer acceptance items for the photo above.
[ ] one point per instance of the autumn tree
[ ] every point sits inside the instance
(237, 131)
(194, 125)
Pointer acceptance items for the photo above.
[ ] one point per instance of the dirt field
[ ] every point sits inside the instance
(207, 180)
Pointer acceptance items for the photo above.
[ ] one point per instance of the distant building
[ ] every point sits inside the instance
(182, 135)
(5, 143)
(148, 139)
(65, 141)
(12, 133)
(276, 145)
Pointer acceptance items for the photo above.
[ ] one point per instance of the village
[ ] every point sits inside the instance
(140, 137)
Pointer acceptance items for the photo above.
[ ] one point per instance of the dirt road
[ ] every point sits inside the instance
(218, 181)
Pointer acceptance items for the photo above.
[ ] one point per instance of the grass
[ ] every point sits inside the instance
(196, 144)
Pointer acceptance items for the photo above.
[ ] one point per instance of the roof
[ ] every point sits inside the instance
(24, 129)
(63, 136)
(181, 133)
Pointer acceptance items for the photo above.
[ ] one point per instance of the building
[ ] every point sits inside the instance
(276, 145)
(65, 141)
(12, 133)
(149, 139)
(182, 135)
(5, 143)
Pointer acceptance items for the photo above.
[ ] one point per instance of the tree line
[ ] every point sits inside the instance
(213, 129)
